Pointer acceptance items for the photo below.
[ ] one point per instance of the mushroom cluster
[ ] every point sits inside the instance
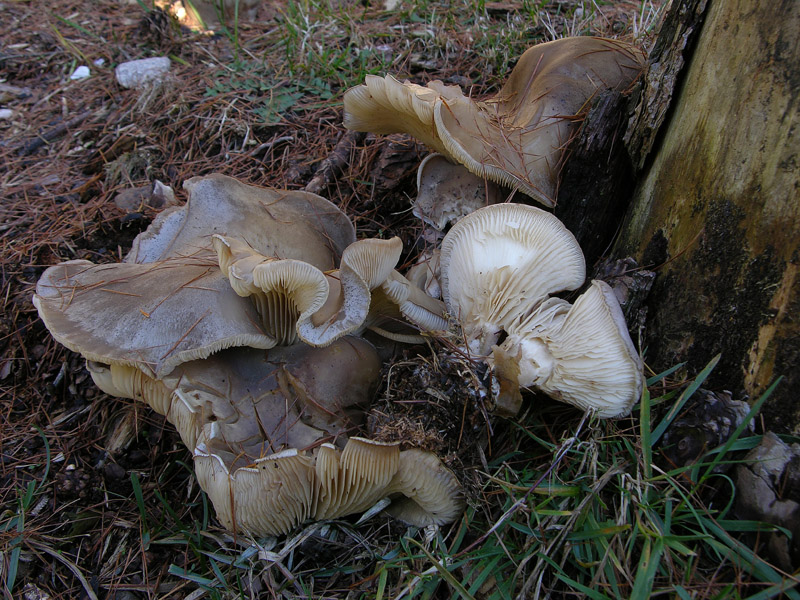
(499, 269)
(237, 317)
(500, 264)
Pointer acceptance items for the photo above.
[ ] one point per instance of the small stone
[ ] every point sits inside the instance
(81, 72)
(136, 73)
(6, 113)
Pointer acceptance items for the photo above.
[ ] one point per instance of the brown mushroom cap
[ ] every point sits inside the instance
(251, 404)
(168, 303)
(500, 262)
(517, 137)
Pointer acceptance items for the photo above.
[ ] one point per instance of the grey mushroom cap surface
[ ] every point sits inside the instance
(168, 303)
(151, 316)
(269, 220)
(447, 191)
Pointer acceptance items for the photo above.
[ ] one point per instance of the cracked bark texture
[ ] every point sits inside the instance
(717, 209)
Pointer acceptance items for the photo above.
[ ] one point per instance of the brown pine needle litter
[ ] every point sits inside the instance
(97, 494)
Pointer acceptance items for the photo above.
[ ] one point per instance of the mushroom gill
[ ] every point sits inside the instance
(499, 267)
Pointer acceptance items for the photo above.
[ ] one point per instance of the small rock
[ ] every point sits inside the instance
(6, 113)
(32, 592)
(81, 72)
(136, 73)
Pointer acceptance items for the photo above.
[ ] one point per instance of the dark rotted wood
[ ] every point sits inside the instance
(597, 179)
(619, 133)
(664, 72)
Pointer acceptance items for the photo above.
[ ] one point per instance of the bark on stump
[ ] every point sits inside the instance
(718, 206)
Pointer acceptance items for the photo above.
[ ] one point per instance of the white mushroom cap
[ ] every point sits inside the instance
(415, 305)
(502, 261)
(582, 355)
(365, 265)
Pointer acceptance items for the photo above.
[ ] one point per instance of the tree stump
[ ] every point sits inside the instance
(717, 207)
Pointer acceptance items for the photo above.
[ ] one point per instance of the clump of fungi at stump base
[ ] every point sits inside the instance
(240, 316)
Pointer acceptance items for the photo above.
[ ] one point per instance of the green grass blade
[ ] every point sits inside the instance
(644, 432)
(444, 572)
(687, 393)
(656, 378)
(646, 570)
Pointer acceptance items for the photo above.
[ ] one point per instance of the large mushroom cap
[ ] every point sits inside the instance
(152, 316)
(272, 494)
(502, 261)
(580, 354)
(249, 404)
(271, 221)
(516, 138)
(168, 302)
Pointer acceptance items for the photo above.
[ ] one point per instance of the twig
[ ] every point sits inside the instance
(33, 145)
(337, 159)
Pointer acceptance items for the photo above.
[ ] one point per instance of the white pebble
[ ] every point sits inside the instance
(136, 73)
(81, 72)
